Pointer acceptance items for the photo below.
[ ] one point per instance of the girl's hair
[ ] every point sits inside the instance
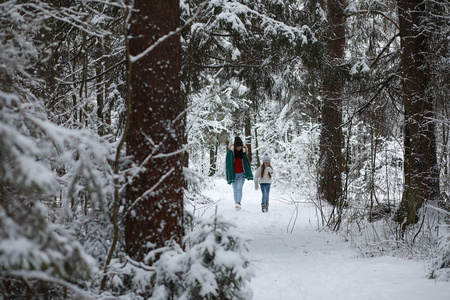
(263, 169)
(238, 154)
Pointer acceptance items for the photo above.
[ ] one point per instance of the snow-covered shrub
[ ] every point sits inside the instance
(38, 252)
(44, 166)
(214, 264)
(441, 269)
(219, 267)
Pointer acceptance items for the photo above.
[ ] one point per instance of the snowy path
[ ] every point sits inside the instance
(311, 265)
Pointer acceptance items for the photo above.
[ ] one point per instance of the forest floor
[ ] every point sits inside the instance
(299, 262)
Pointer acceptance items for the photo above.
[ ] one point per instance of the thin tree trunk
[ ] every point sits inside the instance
(444, 156)
(213, 159)
(155, 196)
(421, 176)
(258, 161)
(84, 73)
(248, 134)
(120, 145)
(100, 94)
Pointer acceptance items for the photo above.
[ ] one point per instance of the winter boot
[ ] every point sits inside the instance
(267, 207)
(238, 206)
(263, 207)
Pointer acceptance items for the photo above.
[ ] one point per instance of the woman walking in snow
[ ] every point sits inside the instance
(237, 169)
(264, 176)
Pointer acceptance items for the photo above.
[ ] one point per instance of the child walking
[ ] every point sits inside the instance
(264, 176)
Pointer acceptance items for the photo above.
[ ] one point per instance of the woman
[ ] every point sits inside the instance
(264, 176)
(237, 169)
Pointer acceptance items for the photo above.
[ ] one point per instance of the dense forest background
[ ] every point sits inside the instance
(113, 114)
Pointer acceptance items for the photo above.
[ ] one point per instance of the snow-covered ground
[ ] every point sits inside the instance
(306, 264)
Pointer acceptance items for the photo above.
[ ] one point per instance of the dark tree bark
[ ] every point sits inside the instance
(155, 136)
(331, 140)
(212, 159)
(100, 96)
(421, 174)
(248, 134)
(258, 161)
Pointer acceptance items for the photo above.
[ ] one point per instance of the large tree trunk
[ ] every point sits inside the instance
(331, 140)
(155, 137)
(420, 162)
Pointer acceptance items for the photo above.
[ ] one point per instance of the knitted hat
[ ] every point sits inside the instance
(238, 142)
(266, 158)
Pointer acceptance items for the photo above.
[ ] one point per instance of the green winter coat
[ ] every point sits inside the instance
(229, 163)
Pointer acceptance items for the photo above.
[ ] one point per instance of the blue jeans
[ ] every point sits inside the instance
(265, 189)
(237, 187)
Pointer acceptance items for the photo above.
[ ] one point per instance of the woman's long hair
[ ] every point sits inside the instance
(263, 169)
(238, 154)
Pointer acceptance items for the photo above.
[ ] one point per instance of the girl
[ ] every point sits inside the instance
(263, 176)
(237, 169)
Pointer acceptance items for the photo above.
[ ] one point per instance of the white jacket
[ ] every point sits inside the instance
(264, 178)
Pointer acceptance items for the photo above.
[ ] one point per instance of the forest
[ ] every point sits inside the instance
(115, 116)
